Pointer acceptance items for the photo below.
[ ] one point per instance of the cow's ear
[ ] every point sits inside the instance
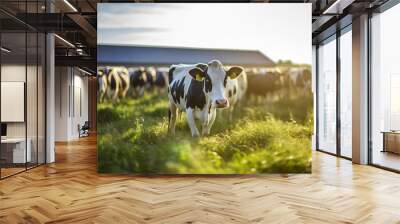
(197, 74)
(202, 66)
(234, 72)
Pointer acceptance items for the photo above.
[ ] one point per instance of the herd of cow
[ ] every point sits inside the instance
(199, 89)
(118, 82)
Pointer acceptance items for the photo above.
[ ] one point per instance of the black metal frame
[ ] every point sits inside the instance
(316, 97)
(0, 89)
(369, 90)
(44, 79)
(25, 89)
(338, 98)
(337, 35)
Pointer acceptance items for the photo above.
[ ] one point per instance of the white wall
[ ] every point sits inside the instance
(71, 94)
(12, 73)
(80, 100)
(62, 82)
(33, 126)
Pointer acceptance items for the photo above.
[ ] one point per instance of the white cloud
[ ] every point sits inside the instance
(281, 31)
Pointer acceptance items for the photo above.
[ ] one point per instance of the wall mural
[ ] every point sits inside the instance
(204, 88)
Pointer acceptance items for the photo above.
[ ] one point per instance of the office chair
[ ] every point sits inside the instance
(84, 130)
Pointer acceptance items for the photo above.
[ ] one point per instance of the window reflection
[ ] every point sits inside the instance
(327, 97)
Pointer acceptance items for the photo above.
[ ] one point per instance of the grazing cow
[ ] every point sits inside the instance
(102, 84)
(263, 85)
(125, 82)
(242, 86)
(160, 83)
(156, 80)
(198, 90)
(161, 79)
(151, 74)
(118, 80)
(138, 81)
(235, 91)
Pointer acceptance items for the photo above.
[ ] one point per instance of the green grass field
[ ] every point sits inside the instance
(264, 137)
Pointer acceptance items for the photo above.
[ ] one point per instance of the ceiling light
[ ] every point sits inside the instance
(79, 51)
(70, 5)
(64, 40)
(86, 72)
(5, 50)
(338, 6)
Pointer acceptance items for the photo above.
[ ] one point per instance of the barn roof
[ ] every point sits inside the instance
(165, 56)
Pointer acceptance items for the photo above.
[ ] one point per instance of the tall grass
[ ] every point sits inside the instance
(262, 137)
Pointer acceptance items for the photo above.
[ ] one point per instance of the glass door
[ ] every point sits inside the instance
(346, 93)
(327, 96)
(14, 155)
(22, 95)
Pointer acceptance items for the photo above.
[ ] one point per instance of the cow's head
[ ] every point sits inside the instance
(107, 70)
(150, 76)
(139, 77)
(214, 77)
(100, 72)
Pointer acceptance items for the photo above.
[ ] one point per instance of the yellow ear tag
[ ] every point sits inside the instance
(233, 75)
(198, 77)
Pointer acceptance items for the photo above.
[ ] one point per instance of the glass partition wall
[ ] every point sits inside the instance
(327, 96)
(345, 61)
(334, 95)
(13, 86)
(385, 89)
(22, 95)
(334, 90)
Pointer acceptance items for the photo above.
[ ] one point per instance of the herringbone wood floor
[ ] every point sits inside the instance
(70, 191)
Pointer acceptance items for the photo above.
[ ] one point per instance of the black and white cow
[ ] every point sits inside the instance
(102, 83)
(118, 82)
(138, 81)
(151, 75)
(161, 79)
(235, 91)
(198, 90)
(156, 80)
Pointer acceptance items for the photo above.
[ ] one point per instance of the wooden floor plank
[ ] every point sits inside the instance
(71, 191)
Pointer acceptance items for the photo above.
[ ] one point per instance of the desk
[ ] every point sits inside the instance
(13, 150)
(391, 141)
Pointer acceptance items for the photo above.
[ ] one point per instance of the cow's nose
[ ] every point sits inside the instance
(221, 103)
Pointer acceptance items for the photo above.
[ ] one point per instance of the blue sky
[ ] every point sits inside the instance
(280, 31)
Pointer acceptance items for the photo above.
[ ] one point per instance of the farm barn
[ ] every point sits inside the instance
(138, 58)
(131, 55)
